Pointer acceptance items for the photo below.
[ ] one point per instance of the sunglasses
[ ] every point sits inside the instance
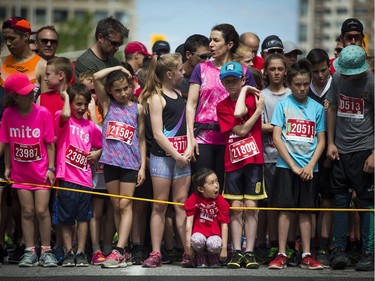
(338, 50)
(51, 41)
(114, 43)
(275, 51)
(350, 37)
(203, 56)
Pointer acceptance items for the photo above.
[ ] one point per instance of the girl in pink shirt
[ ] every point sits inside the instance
(27, 132)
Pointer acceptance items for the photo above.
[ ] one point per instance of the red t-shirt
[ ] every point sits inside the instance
(240, 151)
(208, 214)
(258, 63)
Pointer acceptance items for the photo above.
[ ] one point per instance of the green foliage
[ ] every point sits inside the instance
(76, 33)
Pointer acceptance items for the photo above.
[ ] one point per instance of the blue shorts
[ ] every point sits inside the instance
(74, 205)
(166, 167)
(245, 183)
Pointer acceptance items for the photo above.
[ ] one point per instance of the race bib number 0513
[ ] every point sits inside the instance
(243, 149)
(351, 107)
(300, 130)
(120, 131)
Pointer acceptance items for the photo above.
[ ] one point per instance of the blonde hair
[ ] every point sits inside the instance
(159, 66)
(241, 52)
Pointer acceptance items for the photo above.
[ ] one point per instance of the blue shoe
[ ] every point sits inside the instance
(29, 259)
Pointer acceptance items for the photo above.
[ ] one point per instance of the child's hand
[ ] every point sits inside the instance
(369, 164)
(307, 173)
(123, 69)
(297, 170)
(182, 161)
(94, 155)
(91, 106)
(253, 90)
(64, 95)
(141, 177)
(50, 177)
(259, 102)
(7, 174)
(332, 152)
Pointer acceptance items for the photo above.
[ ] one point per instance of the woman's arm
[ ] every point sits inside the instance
(191, 106)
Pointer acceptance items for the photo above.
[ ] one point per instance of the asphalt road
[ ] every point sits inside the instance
(176, 273)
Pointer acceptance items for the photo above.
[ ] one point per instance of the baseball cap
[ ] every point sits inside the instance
(231, 69)
(351, 61)
(18, 83)
(161, 46)
(351, 24)
(272, 42)
(136, 46)
(18, 23)
(289, 47)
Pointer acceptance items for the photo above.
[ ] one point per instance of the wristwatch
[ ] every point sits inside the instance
(53, 169)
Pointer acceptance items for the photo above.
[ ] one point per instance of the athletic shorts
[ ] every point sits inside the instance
(347, 174)
(145, 190)
(245, 184)
(167, 168)
(268, 174)
(115, 173)
(324, 183)
(74, 205)
(290, 191)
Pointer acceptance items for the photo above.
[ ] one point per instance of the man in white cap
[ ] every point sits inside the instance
(350, 129)
(291, 52)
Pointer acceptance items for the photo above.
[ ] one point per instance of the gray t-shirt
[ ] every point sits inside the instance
(89, 61)
(355, 112)
(270, 101)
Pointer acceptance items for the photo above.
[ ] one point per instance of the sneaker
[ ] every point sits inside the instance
(250, 261)
(291, 255)
(278, 263)
(366, 262)
(323, 257)
(178, 254)
(137, 255)
(154, 260)
(128, 258)
(97, 258)
(187, 261)
(17, 254)
(236, 260)
(168, 257)
(47, 259)
(81, 260)
(29, 259)
(310, 263)
(213, 261)
(261, 253)
(340, 259)
(272, 253)
(58, 251)
(114, 260)
(201, 260)
(3, 254)
(69, 259)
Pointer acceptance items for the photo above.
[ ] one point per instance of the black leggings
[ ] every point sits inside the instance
(211, 156)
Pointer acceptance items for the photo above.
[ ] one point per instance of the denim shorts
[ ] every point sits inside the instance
(167, 168)
(74, 205)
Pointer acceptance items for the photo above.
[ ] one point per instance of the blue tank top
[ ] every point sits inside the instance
(120, 137)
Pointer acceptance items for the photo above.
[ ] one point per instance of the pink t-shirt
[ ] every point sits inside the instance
(27, 137)
(75, 138)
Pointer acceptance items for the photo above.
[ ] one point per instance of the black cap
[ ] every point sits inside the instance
(161, 46)
(351, 24)
(272, 42)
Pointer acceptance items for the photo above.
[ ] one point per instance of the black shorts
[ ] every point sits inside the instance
(145, 190)
(324, 180)
(115, 173)
(289, 191)
(348, 175)
(74, 205)
(245, 183)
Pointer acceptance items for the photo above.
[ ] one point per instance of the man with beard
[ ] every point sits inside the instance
(109, 35)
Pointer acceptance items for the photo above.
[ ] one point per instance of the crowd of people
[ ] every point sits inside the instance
(209, 134)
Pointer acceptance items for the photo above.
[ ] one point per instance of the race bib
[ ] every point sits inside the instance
(243, 149)
(27, 152)
(300, 130)
(76, 157)
(179, 143)
(351, 107)
(120, 131)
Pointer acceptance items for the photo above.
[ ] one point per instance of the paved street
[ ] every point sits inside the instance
(177, 273)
